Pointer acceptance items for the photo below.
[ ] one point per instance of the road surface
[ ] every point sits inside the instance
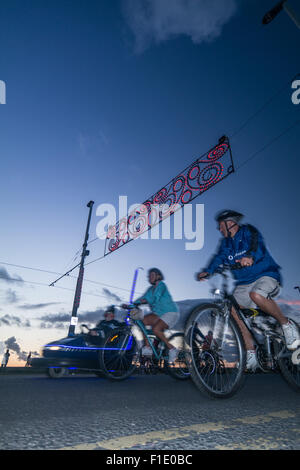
(145, 412)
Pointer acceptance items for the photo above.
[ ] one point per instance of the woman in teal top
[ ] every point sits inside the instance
(165, 313)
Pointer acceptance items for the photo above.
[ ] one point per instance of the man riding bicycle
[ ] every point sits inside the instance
(257, 282)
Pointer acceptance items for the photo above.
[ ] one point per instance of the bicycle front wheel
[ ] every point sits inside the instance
(215, 351)
(117, 357)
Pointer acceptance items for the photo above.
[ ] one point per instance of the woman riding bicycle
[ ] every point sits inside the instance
(165, 313)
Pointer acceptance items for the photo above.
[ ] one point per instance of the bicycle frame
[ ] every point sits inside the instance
(157, 354)
(233, 303)
(265, 340)
(230, 301)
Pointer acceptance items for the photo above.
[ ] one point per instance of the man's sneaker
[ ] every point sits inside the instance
(252, 363)
(291, 334)
(173, 354)
(147, 351)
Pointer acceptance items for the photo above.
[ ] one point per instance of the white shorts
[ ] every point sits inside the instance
(266, 286)
(170, 318)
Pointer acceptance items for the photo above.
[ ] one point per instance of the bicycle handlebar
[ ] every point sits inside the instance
(129, 306)
(221, 270)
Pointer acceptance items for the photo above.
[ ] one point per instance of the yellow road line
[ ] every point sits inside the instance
(262, 443)
(127, 442)
(255, 444)
(152, 436)
(266, 418)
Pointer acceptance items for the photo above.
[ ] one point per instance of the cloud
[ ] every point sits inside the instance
(57, 320)
(12, 320)
(155, 21)
(11, 297)
(289, 302)
(92, 145)
(37, 306)
(61, 317)
(92, 317)
(111, 295)
(6, 277)
(291, 312)
(12, 345)
(61, 320)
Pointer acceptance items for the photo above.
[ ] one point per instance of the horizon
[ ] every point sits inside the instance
(110, 99)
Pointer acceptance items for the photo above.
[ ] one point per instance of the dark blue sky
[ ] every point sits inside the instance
(102, 102)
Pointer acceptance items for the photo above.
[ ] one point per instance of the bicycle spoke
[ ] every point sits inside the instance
(117, 356)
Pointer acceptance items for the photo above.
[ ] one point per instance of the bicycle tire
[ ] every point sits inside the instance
(180, 370)
(57, 372)
(115, 362)
(207, 370)
(289, 371)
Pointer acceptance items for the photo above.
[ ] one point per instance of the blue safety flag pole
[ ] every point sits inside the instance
(136, 272)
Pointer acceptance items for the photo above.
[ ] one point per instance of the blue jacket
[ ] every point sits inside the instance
(159, 299)
(247, 242)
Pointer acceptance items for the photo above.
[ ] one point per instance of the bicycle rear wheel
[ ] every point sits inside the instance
(289, 371)
(215, 351)
(179, 370)
(117, 359)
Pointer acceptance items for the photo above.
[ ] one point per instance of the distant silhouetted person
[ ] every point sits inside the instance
(5, 359)
(28, 361)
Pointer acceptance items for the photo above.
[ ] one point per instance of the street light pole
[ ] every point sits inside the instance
(282, 5)
(77, 296)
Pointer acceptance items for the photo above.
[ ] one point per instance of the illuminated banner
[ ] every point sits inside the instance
(197, 178)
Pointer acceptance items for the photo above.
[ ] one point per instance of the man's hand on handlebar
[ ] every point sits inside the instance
(246, 261)
(127, 306)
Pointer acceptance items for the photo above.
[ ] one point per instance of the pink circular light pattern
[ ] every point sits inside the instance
(181, 190)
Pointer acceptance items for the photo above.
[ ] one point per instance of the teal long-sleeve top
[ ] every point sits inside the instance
(159, 299)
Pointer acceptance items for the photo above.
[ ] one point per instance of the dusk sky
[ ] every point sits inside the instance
(115, 98)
